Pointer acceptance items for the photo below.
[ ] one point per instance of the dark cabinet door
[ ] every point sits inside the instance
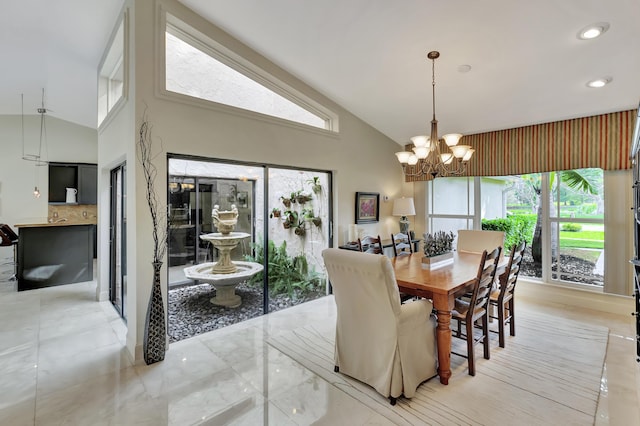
(87, 184)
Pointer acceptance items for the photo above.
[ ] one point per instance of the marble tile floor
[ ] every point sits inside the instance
(62, 362)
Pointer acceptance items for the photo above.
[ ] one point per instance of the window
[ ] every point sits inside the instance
(195, 68)
(111, 79)
(451, 204)
(570, 245)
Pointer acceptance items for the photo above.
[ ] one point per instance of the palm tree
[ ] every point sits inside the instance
(574, 179)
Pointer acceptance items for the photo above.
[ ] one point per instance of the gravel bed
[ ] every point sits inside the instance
(191, 312)
(570, 264)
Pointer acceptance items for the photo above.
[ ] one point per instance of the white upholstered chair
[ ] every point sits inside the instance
(473, 241)
(379, 341)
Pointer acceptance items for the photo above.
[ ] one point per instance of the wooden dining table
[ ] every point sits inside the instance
(442, 285)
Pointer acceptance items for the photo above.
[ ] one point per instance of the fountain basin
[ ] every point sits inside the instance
(225, 243)
(225, 283)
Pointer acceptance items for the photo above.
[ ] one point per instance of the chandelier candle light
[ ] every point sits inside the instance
(427, 159)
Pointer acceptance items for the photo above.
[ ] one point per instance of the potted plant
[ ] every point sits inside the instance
(315, 184)
(300, 230)
(286, 201)
(316, 221)
(291, 219)
(302, 198)
(275, 212)
(437, 248)
(307, 214)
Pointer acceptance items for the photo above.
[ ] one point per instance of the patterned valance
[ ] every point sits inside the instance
(599, 141)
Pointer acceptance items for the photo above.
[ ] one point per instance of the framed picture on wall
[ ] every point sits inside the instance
(367, 204)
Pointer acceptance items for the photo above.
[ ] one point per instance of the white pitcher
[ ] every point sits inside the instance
(71, 195)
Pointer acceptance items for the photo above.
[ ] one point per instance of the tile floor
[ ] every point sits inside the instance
(62, 362)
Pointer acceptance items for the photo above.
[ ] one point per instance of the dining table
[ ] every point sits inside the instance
(442, 284)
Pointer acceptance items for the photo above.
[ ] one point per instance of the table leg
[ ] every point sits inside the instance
(443, 338)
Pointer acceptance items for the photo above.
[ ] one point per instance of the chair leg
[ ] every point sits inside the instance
(501, 323)
(336, 368)
(470, 354)
(485, 332)
(512, 320)
(392, 400)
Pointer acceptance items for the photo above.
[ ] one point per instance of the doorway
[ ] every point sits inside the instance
(117, 241)
(285, 213)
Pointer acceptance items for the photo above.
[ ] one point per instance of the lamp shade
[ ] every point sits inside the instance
(403, 207)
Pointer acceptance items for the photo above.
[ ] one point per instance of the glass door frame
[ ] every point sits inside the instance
(118, 237)
(266, 209)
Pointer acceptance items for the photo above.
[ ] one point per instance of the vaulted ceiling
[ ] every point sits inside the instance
(527, 64)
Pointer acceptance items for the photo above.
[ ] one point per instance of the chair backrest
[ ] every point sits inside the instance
(401, 244)
(484, 281)
(6, 229)
(478, 241)
(367, 300)
(4, 239)
(370, 244)
(510, 276)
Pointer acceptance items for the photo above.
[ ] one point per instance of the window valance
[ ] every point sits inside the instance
(599, 141)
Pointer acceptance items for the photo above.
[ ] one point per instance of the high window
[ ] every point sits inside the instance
(194, 67)
(111, 78)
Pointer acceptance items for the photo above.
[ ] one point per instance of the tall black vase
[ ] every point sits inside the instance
(155, 331)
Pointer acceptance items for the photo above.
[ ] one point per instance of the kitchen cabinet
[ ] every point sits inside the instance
(81, 176)
(52, 254)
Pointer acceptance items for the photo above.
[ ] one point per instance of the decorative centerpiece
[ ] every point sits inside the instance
(438, 249)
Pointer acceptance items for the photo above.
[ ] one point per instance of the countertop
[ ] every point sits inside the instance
(47, 224)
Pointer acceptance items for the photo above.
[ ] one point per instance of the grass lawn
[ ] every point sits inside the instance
(590, 255)
(582, 239)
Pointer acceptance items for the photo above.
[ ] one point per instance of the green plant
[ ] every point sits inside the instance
(438, 243)
(286, 201)
(275, 212)
(515, 227)
(307, 213)
(300, 230)
(302, 197)
(290, 219)
(287, 275)
(315, 184)
(571, 227)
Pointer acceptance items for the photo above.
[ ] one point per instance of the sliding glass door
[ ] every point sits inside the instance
(283, 216)
(117, 241)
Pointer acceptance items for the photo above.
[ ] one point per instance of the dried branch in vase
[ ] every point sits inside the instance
(158, 218)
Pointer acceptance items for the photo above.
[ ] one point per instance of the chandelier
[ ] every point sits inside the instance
(428, 158)
(38, 159)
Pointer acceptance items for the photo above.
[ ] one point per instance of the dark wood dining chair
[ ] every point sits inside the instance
(502, 297)
(401, 244)
(9, 238)
(476, 309)
(370, 244)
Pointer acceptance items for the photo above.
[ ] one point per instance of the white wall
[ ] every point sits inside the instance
(361, 157)
(65, 142)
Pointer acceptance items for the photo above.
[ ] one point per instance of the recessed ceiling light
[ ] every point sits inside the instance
(600, 82)
(464, 68)
(592, 31)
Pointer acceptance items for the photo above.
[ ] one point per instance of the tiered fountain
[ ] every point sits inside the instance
(224, 275)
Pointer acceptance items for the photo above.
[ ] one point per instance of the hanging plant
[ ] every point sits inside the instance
(302, 198)
(300, 231)
(315, 184)
(307, 214)
(286, 201)
(275, 212)
(290, 219)
(317, 221)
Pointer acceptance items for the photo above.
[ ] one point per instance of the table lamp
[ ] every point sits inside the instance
(404, 207)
